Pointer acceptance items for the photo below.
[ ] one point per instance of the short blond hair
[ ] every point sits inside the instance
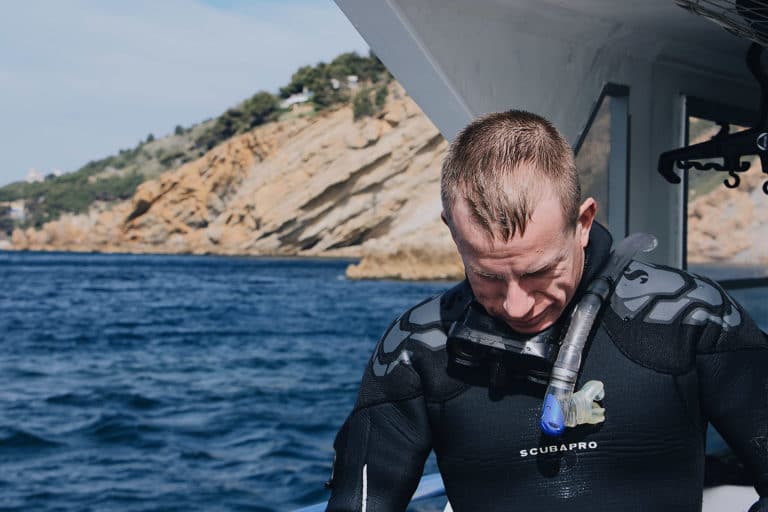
(499, 164)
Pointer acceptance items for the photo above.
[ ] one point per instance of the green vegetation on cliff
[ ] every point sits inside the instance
(6, 222)
(116, 177)
(320, 79)
(69, 193)
(262, 107)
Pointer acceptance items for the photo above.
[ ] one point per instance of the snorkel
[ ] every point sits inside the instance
(562, 407)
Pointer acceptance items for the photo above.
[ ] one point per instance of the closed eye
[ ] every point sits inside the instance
(490, 277)
(538, 273)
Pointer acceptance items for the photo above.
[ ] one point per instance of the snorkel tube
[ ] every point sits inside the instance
(562, 407)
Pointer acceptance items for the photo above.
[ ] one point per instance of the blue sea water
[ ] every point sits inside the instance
(138, 383)
(148, 383)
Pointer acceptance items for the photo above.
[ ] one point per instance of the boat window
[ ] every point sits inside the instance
(724, 228)
(592, 159)
(601, 158)
(727, 228)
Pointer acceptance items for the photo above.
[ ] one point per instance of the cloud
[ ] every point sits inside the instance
(81, 79)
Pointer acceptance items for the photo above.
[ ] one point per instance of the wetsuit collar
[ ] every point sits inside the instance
(596, 255)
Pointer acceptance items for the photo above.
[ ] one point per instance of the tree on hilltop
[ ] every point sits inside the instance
(256, 110)
(318, 78)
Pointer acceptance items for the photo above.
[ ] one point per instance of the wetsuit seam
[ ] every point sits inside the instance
(385, 402)
(612, 336)
(730, 351)
(451, 396)
(677, 386)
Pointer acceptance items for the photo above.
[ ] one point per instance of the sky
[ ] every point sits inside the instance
(82, 79)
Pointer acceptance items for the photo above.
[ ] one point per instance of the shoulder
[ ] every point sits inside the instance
(662, 317)
(657, 294)
(409, 355)
(421, 328)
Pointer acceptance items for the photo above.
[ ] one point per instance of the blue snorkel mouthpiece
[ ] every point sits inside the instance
(552, 419)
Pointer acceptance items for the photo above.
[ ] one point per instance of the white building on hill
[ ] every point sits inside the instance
(297, 98)
(34, 176)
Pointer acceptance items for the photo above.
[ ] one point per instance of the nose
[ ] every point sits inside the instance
(518, 302)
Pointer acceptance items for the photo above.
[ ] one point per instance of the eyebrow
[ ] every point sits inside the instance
(548, 264)
(545, 266)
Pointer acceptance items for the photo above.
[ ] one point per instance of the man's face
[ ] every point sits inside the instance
(529, 280)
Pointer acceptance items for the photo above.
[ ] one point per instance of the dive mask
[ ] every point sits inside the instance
(476, 336)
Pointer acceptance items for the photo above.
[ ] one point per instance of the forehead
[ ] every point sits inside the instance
(544, 236)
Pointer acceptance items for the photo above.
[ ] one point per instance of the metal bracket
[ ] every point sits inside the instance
(728, 147)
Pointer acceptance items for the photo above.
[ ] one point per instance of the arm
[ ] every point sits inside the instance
(732, 363)
(382, 446)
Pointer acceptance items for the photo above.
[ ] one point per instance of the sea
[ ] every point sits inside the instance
(164, 383)
(149, 382)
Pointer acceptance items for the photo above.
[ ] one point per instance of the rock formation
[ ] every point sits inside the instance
(730, 225)
(327, 186)
(309, 186)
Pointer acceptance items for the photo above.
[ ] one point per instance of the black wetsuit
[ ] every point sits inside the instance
(674, 352)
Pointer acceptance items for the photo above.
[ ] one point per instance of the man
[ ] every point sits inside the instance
(672, 350)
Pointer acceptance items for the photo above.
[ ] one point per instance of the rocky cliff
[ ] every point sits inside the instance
(309, 186)
(730, 225)
(328, 186)
(726, 226)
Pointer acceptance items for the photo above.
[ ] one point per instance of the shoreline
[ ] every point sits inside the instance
(348, 261)
(280, 257)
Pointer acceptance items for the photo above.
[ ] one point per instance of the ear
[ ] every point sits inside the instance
(587, 212)
(444, 218)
